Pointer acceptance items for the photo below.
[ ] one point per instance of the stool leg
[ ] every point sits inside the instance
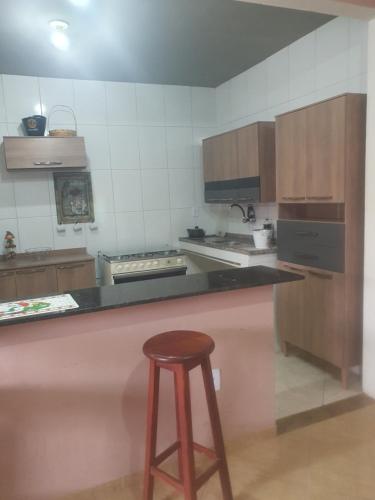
(152, 424)
(216, 429)
(186, 432)
(180, 471)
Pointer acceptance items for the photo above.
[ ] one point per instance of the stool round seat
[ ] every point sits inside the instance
(178, 346)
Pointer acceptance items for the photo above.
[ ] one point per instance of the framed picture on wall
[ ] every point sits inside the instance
(74, 200)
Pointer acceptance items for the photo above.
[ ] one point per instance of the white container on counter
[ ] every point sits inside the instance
(262, 238)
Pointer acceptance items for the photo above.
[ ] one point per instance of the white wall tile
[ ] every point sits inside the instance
(35, 232)
(150, 104)
(102, 191)
(130, 232)
(278, 78)
(158, 229)
(127, 190)
(89, 102)
(53, 92)
(199, 187)
(181, 220)
(302, 66)
(7, 198)
(104, 236)
(198, 135)
(177, 105)
(3, 117)
(155, 189)
(332, 52)
(223, 103)
(32, 195)
(257, 88)
(12, 226)
(124, 147)
(180, 147)
(204, 106)
(181, 185)
(358, 41)
(69, 238)
(97, 147)
(239, 96)
(153, 148)
(121, 103)
(21, 95)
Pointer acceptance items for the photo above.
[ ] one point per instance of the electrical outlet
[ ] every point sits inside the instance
(217, 379)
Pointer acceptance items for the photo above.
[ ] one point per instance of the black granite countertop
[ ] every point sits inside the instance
(156, 290)
(232, 243)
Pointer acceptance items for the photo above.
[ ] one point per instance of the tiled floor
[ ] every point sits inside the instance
(302, 384)
(329, 460)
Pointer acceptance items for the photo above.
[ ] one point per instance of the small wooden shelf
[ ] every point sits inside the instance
(24, 153)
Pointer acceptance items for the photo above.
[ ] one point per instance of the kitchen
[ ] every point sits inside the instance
(148, 149)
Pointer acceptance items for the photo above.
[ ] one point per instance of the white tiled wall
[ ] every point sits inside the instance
(143, 147)
(327, 62)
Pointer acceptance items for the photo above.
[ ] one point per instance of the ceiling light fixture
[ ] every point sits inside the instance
(59, 39)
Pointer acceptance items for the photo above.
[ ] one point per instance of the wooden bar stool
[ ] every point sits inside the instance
(180, 352)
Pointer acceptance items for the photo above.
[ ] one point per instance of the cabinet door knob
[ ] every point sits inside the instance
(72, 266)
(47, 163)
(321, 275)
(33, 271)
(319, 197)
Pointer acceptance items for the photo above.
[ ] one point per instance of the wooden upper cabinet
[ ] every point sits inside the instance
(36, 282)
(326, 126)
(248, 151)
(243, 153)
(44, 152)
(291, 156)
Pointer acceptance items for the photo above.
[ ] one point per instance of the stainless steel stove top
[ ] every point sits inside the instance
(111, 257)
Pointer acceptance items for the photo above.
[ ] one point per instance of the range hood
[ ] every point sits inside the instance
(246, 189)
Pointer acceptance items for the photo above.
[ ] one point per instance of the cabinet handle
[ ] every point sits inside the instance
(293, 198)
(73, 266)
(311, 234)
(296, 269)
(5, 275)
(321, 275)
(319, 197)
(47, 163)
(33, 271)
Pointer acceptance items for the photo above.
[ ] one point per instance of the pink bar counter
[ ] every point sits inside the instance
(73, 389)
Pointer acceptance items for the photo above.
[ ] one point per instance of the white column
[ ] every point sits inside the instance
(369, 287)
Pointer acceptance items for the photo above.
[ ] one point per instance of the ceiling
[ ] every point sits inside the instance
(182, 42)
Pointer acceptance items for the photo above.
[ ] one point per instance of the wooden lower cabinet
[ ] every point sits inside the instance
(8, 289)
(36, 282)
(309, 313)
(75, 276)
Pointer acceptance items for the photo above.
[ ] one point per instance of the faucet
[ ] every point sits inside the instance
(246, 217)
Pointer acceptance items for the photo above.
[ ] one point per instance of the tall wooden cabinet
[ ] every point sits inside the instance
(320, 168)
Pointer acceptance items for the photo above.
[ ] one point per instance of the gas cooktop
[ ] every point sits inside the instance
(111, 257)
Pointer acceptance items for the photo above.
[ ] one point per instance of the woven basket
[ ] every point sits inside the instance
(62, 132)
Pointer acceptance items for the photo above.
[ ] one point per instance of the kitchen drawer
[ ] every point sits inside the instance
(314, 244)
(36, 281)
(8, 289)
(44, 152)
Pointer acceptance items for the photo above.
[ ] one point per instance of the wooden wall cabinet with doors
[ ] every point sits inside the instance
(25, 153)
(312, 148)
(61, 271)
(320, 182)
(244, 153)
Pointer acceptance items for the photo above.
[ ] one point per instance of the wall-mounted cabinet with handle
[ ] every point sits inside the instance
(314, 148)
(24, 153)
(240, 165)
